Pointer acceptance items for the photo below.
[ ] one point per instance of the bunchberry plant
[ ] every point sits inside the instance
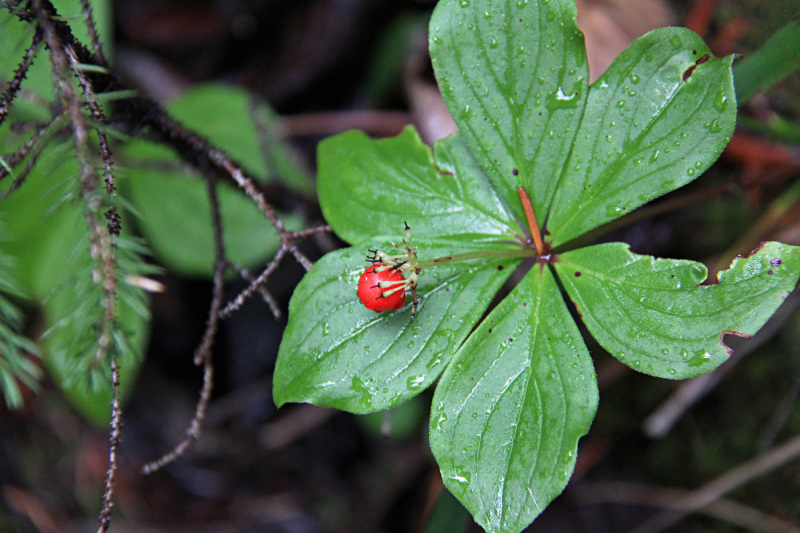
(541, 158)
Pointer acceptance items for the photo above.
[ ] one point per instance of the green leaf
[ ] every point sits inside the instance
(337, 353)
(509, 410)
(653, 314)
(655, 120)
(514, 76)
(43, 224)
(243, 125)
(776, 59)
(369, 188)
(222, 114)
(175, 217)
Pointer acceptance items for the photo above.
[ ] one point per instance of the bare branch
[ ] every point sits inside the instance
(92, 30)
(257, 284)
(12, 87)
(202, 355)
(718, 487)
(113, 443)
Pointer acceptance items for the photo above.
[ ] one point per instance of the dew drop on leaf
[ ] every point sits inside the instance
(721, 102)
(461, 476)
(699, 358)
(415, 382)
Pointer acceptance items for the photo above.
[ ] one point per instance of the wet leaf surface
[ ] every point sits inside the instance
(665, 323)
(510, 408)
(345, 356)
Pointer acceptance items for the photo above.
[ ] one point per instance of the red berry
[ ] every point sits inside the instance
(371, 294)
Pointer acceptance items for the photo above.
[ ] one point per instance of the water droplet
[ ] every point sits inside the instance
(326, 329)
(715, 127)
(635, 78)
(655, 156)
(672, 371)
(522, 3)
(363, 390)
(699, 358)
(415, 382)
(676, 41)
(433, 363)
(465, 3)
(493, 43)
(691, 171)
(461, 477)
(561, 100)
(721, 102)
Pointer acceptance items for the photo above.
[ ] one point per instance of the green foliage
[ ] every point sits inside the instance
(776, 59)
(46, 219)
(171, 200)
(47, 239)
(666, 323)
(16, 364)
(517, 388)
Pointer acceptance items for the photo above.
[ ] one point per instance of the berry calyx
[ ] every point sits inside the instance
(382, 288)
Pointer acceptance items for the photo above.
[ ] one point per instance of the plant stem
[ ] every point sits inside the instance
(532, 224)
(484, 254)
